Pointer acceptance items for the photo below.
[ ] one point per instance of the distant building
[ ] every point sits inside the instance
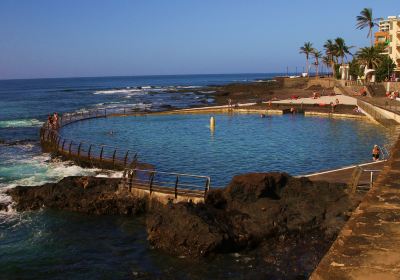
(389, 34)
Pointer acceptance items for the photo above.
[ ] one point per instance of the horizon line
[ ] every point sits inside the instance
(150, 75)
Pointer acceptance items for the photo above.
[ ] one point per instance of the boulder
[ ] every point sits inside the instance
(252, 209)
(81, 194)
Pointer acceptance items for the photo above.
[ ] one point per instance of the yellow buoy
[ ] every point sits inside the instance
(212, 123)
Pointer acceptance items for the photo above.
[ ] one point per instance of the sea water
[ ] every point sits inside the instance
(55, 244)
(238, 144)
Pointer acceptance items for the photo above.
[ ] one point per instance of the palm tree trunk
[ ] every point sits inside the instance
(370, 35)
(307, 66)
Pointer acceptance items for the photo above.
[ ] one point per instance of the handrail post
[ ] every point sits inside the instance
(58, 143)
(62, 149)
(126, 158)
(176, 186)
(113, 158)
(207, 187)
(101, 153)
(371, 179)
(133, 174)
(79, 149)
(151, 181)
(90, 149)
(70, 144)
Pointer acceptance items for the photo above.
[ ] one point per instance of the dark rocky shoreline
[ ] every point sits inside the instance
(284, 224)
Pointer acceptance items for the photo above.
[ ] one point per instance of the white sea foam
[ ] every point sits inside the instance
(20, 123)
(188, 87)
(121, 91)
(139, 105)
(110, 174)
(35, 171)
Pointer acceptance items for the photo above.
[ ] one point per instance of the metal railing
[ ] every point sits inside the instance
(68, 118)
(372, 172)
(385, 152)
(176, 184)
(82, 152)
(356, 176)
(87, 154)
(110, 157)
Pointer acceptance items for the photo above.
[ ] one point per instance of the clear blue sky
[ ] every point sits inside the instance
(71, 38)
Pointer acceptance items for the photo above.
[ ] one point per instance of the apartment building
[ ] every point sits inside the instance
(389, 33)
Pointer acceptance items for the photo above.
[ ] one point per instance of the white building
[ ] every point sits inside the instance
(389, 31)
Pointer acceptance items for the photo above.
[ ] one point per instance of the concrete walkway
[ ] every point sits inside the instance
(368, 247)
(343, 99)
(343, 175)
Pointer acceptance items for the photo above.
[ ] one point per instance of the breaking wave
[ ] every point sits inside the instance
(121, 91)
(20, 123)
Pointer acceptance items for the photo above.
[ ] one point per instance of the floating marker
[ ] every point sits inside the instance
(212, 123)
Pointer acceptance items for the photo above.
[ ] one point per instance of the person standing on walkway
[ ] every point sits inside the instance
(375, 153)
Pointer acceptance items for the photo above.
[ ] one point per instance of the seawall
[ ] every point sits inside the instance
(368, 245)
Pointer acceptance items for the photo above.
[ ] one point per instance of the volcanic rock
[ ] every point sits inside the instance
(250, 210)
(81, 194)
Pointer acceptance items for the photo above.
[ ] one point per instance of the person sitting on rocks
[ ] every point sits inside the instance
(333, 106)
(50, 121)
(55, 120)
(356, 110)
(229, 103)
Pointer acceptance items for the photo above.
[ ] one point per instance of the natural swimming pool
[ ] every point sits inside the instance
(239, 144)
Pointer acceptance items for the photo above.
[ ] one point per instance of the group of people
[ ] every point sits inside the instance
(356, 110)
(392, 95)
(53, 121)
(334, 104)
(316, 95)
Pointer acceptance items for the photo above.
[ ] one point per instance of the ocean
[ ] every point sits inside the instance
(57, 245)
(49, 244)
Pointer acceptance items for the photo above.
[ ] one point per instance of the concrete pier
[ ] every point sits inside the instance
(368, 247)
(344, 175)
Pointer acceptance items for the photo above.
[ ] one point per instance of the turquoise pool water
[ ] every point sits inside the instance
(240, 143)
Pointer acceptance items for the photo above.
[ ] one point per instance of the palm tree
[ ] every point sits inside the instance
(307, 49)
(328, 62)
(341, 49)
(330, 51)
(317, 55)
(371, 57)
(364, 20)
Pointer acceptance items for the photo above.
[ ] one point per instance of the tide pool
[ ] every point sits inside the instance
(239, 144)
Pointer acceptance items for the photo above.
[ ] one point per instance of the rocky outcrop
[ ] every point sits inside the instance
(253, 208)
(82, 194)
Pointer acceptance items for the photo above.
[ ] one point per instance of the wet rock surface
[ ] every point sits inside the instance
(252, 209)
(81, 194)
(271, 224)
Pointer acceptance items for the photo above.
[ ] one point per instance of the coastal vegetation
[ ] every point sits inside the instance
(366, 20)
(317, 55)
(337, 53)
(307, 49)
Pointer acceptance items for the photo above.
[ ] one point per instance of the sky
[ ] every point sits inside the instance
(87, 38)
